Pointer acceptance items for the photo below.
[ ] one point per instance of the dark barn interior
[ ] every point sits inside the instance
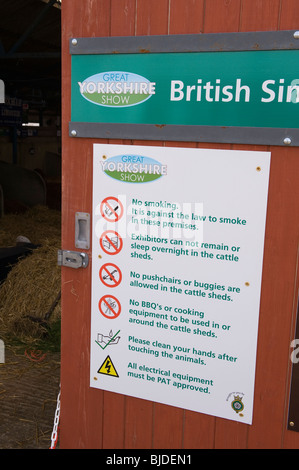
(30, 219)
(30, 150)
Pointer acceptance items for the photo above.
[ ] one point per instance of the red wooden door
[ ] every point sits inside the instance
(88, 416)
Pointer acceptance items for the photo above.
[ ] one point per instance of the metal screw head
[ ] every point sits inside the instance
(287, 141)
(296, 34)
(292, 423)
(73, 133)
(74, 42)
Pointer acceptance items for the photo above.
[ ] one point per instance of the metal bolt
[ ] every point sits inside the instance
(292, 423)
(73, 133)
(74, 42)
(296, 34)
(287, 141)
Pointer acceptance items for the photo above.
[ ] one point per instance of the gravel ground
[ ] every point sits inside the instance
(29, 386)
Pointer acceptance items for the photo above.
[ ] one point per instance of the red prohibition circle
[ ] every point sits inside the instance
(111, 242)
(105, 306)
(107, 275)
(111, 209)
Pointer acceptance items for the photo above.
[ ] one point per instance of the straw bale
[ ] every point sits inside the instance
(38, 223)
(34, 282)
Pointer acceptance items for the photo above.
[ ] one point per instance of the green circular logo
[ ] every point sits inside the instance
(237, 405)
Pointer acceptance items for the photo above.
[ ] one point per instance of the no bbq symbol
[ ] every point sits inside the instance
(111, 209)
(109, 307)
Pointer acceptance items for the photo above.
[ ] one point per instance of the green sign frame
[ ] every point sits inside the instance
(230, 87)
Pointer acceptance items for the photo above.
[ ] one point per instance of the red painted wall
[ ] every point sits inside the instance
(91, 418)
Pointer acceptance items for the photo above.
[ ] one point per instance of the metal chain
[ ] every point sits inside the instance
(54, 436)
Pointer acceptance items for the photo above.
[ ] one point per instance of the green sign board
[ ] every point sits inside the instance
(256, 89)
(216, 89)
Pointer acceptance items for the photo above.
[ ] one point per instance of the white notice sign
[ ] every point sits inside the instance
(177, 253)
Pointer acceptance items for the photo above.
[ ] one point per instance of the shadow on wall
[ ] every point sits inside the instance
(20, 188)
(1, 202)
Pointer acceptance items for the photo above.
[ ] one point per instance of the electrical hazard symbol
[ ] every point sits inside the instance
(107, 368)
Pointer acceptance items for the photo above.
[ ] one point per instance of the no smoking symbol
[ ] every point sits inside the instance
(111, 209)
(110, 275)
(109, 306)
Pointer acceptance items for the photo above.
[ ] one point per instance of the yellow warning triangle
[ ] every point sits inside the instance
(107, 368)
